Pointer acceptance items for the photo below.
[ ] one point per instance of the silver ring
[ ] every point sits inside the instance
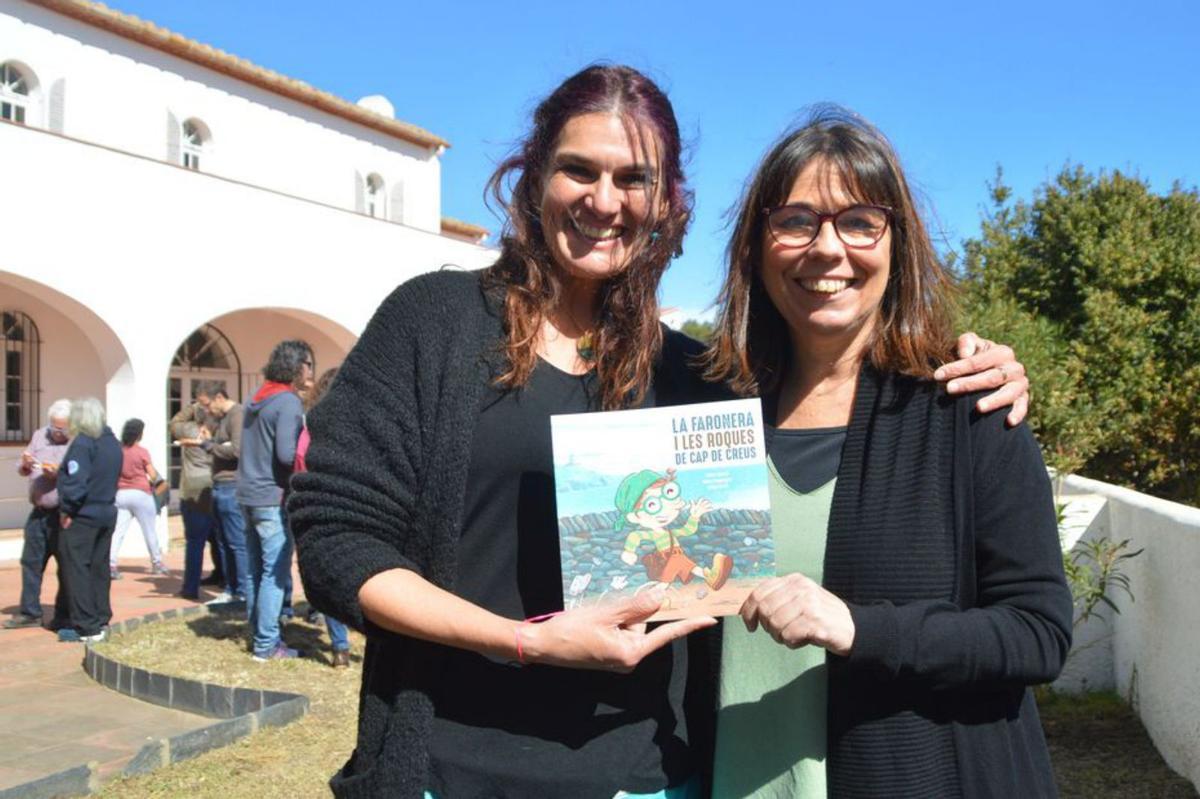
(1003, 373)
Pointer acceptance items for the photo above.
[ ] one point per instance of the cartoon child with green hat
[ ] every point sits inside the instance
(649, 502)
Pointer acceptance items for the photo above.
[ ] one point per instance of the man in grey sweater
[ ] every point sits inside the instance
(225, 446)
(271, 427)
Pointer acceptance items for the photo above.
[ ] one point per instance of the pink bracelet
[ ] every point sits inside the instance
(530, 620)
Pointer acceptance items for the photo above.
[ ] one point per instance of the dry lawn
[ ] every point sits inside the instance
(1098, 745)
(293, 761)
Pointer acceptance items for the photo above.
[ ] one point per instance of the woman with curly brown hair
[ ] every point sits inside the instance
(427, 517)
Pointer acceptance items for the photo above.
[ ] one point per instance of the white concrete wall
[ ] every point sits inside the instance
(119, 93)
(142, 253)
(1155, 643)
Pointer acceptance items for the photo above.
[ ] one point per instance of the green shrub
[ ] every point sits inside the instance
(1096, 284)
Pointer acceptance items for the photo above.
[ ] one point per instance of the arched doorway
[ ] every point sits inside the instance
(206, 358)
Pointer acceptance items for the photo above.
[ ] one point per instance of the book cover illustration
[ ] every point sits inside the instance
(673, 496)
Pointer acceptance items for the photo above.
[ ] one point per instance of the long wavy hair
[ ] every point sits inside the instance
(750, 347)
(628, 336)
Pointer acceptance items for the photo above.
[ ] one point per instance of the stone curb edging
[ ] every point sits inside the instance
(242, 711)
(76, 781)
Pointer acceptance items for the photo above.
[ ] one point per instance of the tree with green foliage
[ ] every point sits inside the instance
(701, 331)
(1096, 283)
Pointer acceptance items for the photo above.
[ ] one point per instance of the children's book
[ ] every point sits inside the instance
(664, 496)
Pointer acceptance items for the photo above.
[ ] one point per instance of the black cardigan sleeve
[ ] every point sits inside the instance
(353, 512)
(1018, 630)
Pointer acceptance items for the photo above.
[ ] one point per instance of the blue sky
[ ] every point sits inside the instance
(959, 87)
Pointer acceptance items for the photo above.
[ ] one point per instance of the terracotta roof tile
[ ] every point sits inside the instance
(459, 228)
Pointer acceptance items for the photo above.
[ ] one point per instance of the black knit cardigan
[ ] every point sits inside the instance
(942, 540)
(391, 446)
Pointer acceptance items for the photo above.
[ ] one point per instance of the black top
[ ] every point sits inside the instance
(503, 730)
(87, 478)
(806, 459)
(386, 489)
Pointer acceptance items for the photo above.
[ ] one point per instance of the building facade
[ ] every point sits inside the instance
(170, 212)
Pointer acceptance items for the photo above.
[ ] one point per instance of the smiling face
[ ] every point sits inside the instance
(825, 291)
(597, 195)
(658, 506)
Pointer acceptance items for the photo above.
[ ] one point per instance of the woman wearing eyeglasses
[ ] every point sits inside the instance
(427, 517)
(923, 589)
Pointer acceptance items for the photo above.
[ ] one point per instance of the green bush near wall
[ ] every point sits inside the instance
(1095, 282)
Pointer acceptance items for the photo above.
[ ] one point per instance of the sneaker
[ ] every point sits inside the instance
(313, 616)
(189, 595)
(20, 620)
(69, 635)
(280, 652)
(213, 578)
(222, 598)
(341, 659)
(99, 637)
(719, 573)
(160, 569)
(114, 573)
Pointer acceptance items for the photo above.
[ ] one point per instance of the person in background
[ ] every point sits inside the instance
(39, 462)
(339, 637)
(199, 410)
(135, 500)
(271, 429)
(195, 500)
(87, 490)
(225, 446)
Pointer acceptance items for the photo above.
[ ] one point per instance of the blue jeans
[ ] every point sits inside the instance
(233, 535)
(269, 557)
(338, 635)
(197, 527)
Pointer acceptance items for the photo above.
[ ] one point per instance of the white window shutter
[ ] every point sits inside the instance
(360, 190)
(396, 211)
(173, 133)
(54, 119)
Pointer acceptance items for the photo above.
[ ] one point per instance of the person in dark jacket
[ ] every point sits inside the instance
(87, 489)
(271, 428)
(923, 588)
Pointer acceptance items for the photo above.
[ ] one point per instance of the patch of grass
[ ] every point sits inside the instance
(1097, 744)
(1099, 748)
(293, 761)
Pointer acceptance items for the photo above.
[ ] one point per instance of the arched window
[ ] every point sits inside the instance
(15, 86)
(206, 358)
(195, 137)
(20, 377)
(376, 197)
(206, 348)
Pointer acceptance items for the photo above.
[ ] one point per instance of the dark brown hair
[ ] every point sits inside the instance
(314, 394)
(750, 347)
(628, 337)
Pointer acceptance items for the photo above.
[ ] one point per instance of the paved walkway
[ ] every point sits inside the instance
(52, 715)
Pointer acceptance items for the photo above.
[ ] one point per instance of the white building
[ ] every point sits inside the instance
(169, 212)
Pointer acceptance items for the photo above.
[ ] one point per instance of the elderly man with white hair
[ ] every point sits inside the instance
(39, 462)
